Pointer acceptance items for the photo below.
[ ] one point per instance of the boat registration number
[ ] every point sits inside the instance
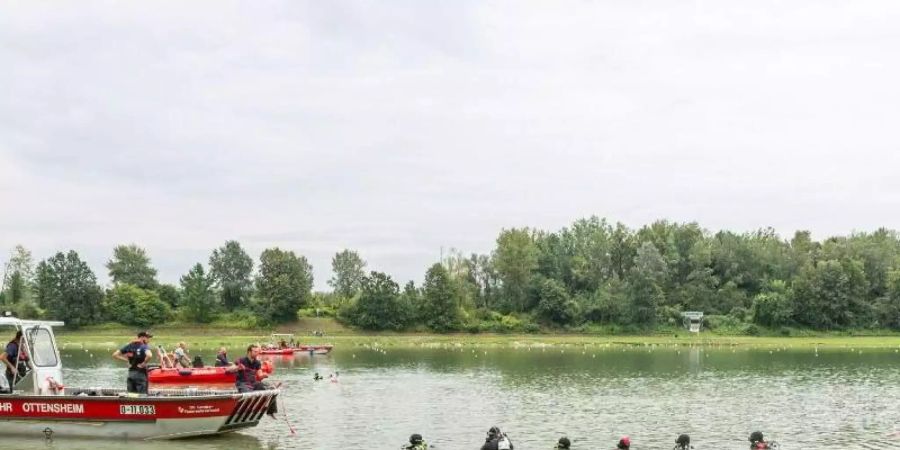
(137, 410)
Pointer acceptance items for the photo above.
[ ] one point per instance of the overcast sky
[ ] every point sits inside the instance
(398, 127)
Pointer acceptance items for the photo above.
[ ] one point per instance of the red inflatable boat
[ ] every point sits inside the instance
(196, 376)
(276, 351)
(192, 376)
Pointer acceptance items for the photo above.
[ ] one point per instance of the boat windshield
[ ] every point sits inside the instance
(43, 351)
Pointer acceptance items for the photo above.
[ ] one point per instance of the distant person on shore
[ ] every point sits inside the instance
(497, 440)
(624, 443)
(222, 357)
(136, 353)
(563, 444)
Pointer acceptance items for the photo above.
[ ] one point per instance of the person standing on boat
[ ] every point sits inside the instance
(136, 353)
(250, 374)
(222, 358)
(10, 358)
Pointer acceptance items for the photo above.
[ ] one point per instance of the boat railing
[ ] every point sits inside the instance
(186, 392)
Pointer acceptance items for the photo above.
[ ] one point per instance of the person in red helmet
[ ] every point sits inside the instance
(624, 443)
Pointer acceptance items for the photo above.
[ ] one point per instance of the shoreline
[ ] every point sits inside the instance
(218, 336)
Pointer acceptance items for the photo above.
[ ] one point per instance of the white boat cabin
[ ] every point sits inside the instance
(39, 364)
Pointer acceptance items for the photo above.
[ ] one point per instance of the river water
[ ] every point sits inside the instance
(804, 399)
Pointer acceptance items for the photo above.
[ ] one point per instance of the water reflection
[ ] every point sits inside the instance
(236, 441)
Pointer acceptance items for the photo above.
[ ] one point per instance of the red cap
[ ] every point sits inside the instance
(625, 441)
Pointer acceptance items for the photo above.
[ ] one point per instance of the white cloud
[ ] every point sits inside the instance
(397, 130)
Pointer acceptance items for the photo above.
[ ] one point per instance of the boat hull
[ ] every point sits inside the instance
(144, 418)
(276, 351)
(318, 349)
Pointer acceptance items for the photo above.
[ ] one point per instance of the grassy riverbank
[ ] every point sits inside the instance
(218, 335)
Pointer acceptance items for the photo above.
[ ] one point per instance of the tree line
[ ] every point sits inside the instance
(590, 275)
(63, 287)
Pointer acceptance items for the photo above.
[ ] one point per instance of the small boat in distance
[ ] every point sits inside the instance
(287, 340)
(318, 349)
(276, 351)
(38, 404)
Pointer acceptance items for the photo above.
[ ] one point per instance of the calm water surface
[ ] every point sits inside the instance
(801, 398)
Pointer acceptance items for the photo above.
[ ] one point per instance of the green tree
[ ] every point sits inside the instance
(774, 306)
(169, 294)
(733, 261)
(378, 305)
(879, 252)
(199, 299)
(462, 271)
(131, 265)
(131, 305)
(554, 304)
(590, 243)
(645, 285)
(622, 249)
(803, 250)
(608, 304)
(480, 281)
(411, 302)
(888, 306)
(515, 260)
(349, 270)
(231, 268)
(67, 290)
(284, 284)
(16, 288)
(699, 292)
(831, 294)
(440, 304)
(18, 276)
